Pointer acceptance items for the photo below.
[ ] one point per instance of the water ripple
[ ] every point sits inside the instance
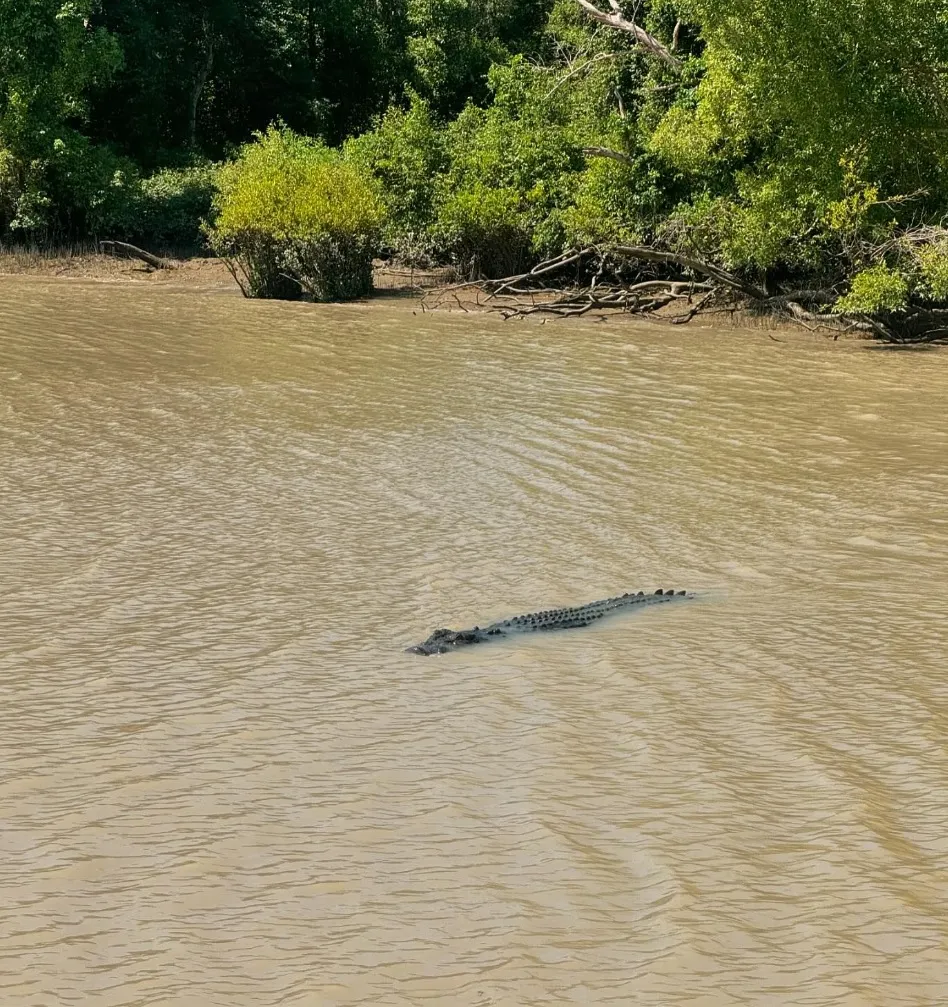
(223, 782)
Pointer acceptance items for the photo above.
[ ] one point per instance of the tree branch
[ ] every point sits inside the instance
(133, 252)
(698, 265)
(579, 69)
(619, 21)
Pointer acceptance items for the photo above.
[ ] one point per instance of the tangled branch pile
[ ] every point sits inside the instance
(676, 287)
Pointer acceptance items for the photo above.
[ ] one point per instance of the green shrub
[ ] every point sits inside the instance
(875, 289)
(933, 267)
(76, 189)
(485, 232)
(406, 154)
(293, 215)
(171, 205)
(614, 202)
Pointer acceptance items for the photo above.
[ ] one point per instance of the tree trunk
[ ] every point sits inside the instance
(200, 81)
(134, 252)
(311, 36)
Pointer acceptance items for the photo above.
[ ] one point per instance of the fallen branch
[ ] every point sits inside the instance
(530, 292)
(693, 310)
(549, 266)
(841, 324)
(133, 252)
(697, 265)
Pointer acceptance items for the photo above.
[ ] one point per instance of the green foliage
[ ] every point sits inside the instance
(486, 232)
(805, 85)
(52, 179)
(405, 153)
(237, 65)
(932, 263)
(615, 202)
(454, 43)
(293, 214)
(514, 169)
(172, 204)
(501, 186)
(873, 290)
(757, 228)
(798, 140)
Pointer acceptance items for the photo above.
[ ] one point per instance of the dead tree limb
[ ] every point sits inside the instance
(133, 252)
(694, 309)
(697, 265)
(550, 266)
(619, 21)
(599, 285)
(839, 324)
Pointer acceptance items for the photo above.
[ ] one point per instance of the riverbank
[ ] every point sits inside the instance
(197, 272)
(206, 274)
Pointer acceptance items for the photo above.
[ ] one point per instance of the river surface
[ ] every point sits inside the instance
(222, 780)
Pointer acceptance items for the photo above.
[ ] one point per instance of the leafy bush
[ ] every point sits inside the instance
(512, 170)
(293, 215)
(75, 189)
(615, 202)
(933, 267)
(453, 43)
(875, 289)
(485, 231)
(406, 154)
(171, 205)
(54, 182)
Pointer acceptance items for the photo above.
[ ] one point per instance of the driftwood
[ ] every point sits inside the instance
(676, 298)
(133, 252)
(722, 276)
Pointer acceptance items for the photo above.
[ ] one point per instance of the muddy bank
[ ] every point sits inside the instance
(199, 272)
(420, 288)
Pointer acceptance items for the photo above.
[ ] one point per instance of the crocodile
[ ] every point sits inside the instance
(443, 640)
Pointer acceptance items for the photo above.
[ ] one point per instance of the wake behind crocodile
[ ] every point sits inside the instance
(442, 641)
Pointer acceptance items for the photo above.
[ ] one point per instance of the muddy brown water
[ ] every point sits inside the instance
(223, 782)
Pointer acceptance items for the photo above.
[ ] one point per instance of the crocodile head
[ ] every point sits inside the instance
(443, 640)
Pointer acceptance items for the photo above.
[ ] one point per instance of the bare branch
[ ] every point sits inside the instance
(693, 310)
(698, 265)
(620, 22)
